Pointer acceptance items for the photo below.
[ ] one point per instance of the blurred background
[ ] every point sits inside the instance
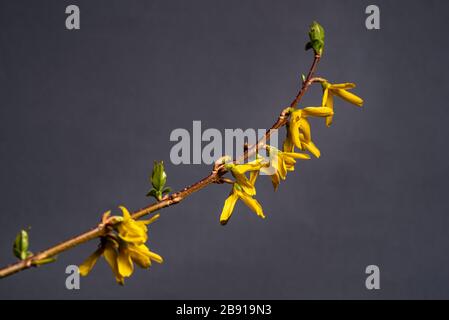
(85, 112)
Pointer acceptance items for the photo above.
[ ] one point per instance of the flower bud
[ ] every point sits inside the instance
(316, 35)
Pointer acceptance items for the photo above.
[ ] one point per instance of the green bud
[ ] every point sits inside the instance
(21, 244)
(158, 177)
(158, 180)
(316, 35)
(303, 77)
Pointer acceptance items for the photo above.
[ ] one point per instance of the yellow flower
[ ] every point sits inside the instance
(293, 128)
(108, 248)
(312, 148)
(299, 132)
(340, 90)
(123, 248)
(111, 256)
(288, 145)
(281, 162)
(140, 254)
(238, 171)
(131, 230)
(238, 193)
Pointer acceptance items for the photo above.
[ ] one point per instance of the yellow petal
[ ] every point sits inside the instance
(290, 159)
(243, 181)
(90, 262)
(304, 126)
(133, 232)
(140, 255)
(312, 148)
(250, 166)
(249, 190)
(253, 177)
(275, 180)
(156, 257)
(110, 255)
(294, 128)
(252, 203)
(347, 85)
(152, 219)
(330, 104)
(288, 145)
(282, 169)
(318, 111)
(290, 167)
(125, 212)
(289, 162)
(142, 261)
(242, 168)
(124, 262)
(348, 96)
(325, 96)
(297, 155)
(238, 171)
(228, 208)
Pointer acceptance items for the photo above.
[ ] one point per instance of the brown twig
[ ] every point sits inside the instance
(214, 177)
(283, 117)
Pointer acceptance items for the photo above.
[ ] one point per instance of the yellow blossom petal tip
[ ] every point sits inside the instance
(124, 262)
(89, 263)
(152, 219)
(125, 212)
(350, 97)
(228, 208)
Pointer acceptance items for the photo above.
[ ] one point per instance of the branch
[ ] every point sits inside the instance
(214, 177)
(283, 117)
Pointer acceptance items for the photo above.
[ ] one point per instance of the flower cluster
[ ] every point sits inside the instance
(122, 246)
(280, 162)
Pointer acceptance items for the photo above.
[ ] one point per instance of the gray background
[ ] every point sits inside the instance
(84, 114)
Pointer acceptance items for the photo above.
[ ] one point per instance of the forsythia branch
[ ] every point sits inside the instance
(214, 177)
(123, 238)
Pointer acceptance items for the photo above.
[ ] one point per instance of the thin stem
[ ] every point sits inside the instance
(306, 83)
(214, 177)
(283, 117)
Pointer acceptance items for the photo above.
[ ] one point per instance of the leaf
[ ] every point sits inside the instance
(152, 193)
(166, 190)
(308, 46)
(21, 244)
